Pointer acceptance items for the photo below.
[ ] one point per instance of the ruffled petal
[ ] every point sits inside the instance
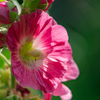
(24, 75)
(61, 52)
(43, 22)
(50, 74)
(63, 91)
(54, 40)
(61, 48)
(72, 71)
(44, 77)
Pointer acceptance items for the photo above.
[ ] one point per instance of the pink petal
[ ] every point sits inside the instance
(54, 40)
(25, 76)
(18, 32)
(43, 21)
(72, 71)
(61, 52)
(46, 96)
(63, 91)
(42, 78)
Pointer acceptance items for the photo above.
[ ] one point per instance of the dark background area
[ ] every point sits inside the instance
(81, 18)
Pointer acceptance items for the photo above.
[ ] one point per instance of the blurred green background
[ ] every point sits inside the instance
(81, 18)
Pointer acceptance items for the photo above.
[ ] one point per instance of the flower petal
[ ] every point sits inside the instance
(72, 71)
(63, 91)
(46, 96)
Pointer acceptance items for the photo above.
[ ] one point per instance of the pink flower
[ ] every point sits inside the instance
(44, 2)
(40, 53)
(2, 40)
(5, 13)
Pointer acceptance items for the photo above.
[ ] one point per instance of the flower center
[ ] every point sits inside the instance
(28, 53)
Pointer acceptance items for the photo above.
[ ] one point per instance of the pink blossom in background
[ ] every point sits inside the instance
(2, 40)
(44, 2)
(41, 56)
(5, 13)
(23, 91)
(47, 96)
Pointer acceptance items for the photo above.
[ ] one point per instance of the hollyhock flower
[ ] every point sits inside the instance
(46, 1)
(2, 40)
(39, 51)
(5, 13)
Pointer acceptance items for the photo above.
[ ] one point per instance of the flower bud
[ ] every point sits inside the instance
(44, 4)
(3, 32)
(4, 75)
(37, 4)
(5, 17)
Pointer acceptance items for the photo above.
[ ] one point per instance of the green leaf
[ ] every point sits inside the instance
(13, 15)
(11, 5)
(2, 0)
(35, 98)
(14, 97)
(33, 5)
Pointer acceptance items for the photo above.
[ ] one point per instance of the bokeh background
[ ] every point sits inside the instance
(81, 18)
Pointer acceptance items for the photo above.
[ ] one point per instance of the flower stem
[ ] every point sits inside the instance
(12, 81)
(5, 59)
(9, 64)
(24, 3)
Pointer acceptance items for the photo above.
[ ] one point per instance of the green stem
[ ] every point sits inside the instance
(5, 59)
(12, 81)
(9, 64)
(25, 2)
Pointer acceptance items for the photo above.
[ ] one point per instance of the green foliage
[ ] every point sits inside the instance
(35, 98)
(11, 5)
(13, 15)
(14, 97)
(2, 0)
(4, 75)
(12, 81)
(33, 5)
(18, 6)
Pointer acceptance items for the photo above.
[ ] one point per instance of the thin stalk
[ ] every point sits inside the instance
(5, 59)
(24, 3)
